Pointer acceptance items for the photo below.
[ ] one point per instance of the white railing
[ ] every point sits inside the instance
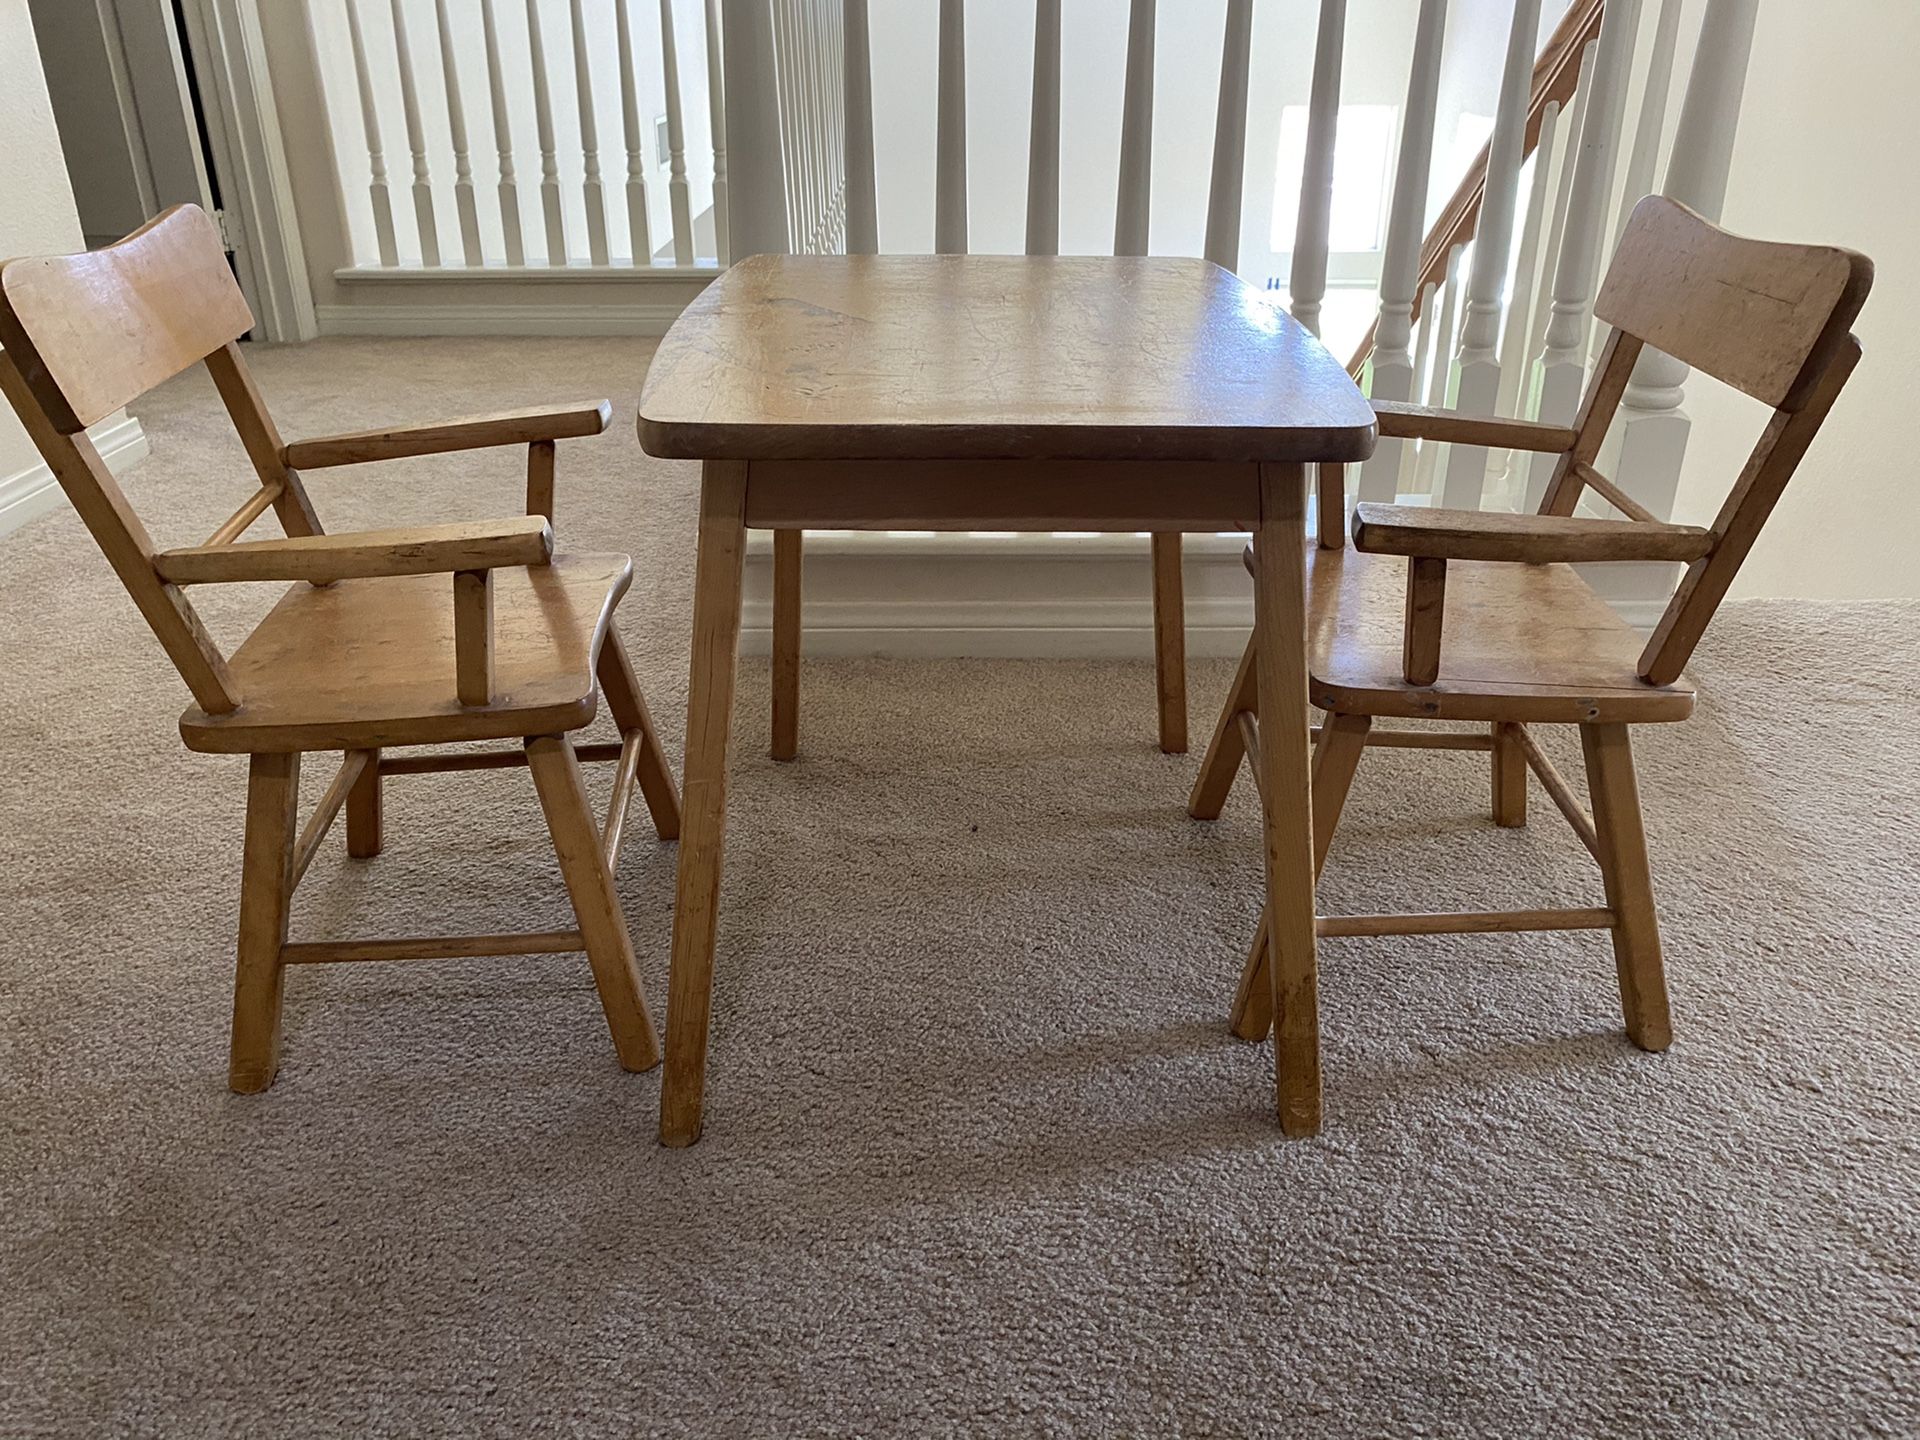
(843, 125)
(553, 82)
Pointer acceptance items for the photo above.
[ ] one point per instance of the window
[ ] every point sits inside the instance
(1362, 177)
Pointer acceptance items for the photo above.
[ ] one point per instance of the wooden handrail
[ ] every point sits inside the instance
(1555, 75)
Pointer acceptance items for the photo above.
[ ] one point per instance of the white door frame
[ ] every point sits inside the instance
(250, 159)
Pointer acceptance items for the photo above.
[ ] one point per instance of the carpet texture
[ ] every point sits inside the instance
(981, 1157)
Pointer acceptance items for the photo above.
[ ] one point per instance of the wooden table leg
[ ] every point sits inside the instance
(703, 793)
(1170, 642)
(786, 644)
(1280, 619)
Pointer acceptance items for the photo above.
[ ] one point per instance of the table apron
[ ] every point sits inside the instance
(1042, 495)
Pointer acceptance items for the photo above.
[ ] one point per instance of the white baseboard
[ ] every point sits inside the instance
(503, 300)
(416, 318)
(1041, 597)
(30, 493)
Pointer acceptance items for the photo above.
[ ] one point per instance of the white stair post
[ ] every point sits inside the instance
(1230, 138)
(503, 140)
(1479, 384)
(463, 199)
(1563, 362)
(717, 120)
(950, 141)
(1527, 406)
(593, 188)
(550, 203)
(679, 202)
(1393, 361)
(863, 216)
(757, 216)
(639, 224)
(1043, 143)
(1132, 208)
(1307, 286)
(1651, 425)
(416, 141)
(377, 190)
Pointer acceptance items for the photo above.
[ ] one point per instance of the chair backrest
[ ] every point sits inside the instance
(1772, 320)
(81, 336)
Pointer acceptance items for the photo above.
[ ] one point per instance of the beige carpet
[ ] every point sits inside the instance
(981, 1157)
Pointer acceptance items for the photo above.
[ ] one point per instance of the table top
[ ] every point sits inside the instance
(995, 356)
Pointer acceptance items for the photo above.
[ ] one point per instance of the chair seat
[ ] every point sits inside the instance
(1519, 642)
(365, 663)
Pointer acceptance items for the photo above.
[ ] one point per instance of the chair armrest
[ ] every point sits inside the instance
(1538, 539)
(1419, 422)
(471, 432)
(417, 550)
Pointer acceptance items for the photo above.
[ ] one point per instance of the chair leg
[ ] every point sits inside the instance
(1629, 881)
(1226, 750)
(366, 822)
(786, 644)
(1509, 776)
(603, 925)
(1343, 740)
(1170, 642)
(266, 900)
(629, 706)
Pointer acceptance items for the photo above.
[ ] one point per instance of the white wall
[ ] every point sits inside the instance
(93, 130)
(37, 215)
(1825, 154)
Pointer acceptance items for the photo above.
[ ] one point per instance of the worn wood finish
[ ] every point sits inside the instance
(262, 440)
(542, 458)
(266, 902)
(1629, 880)
(628, 706)
(370, 654)
(1018, 495)
(716, 649)
(371, 663)
(596, 904)
(1336, 759)
(365, 554)
(1739, 522)
(1523, 642)
(1330, 508)
(1536, 539)
(1558, 790)
(1591, 479)
(1467, 922)
(1764, 317)
(1170, 643)
(535, 425)
(1612, 373)
(1399, 420)
(460, 761)
(882, 357)
(1421, 628)
(1225, 750)
(1509, 775)
(366, 812)
(1280, 621)
(473, 636)
(90, 332)
(786, 644)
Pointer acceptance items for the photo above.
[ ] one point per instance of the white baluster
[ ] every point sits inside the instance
(1563, 362)
(463, 201)
(758, 218)
(1043, 143)
(416, 140)
(1440, 381)
(1653, 427)
(549, 156)
(1422, 343)
(1479, 383)
(377, 189)
(1637, 183)
(1514, 354)
(1230, 138)
(503, 140)
(792, 162)
(863, 217)
(1308, 285)
(1134, 202)
(639, 225)
(592, 187)
(1529, 394)
(1393, 361)
(950, 139)
(717, 121)
(679, 198)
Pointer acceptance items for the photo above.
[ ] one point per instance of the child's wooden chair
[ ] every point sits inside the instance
(1527, 641)
(368, 650)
